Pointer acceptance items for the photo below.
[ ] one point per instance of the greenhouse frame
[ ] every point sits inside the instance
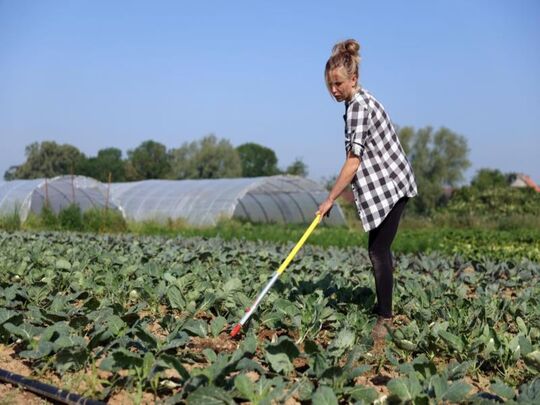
(275, 199)
(26, 196)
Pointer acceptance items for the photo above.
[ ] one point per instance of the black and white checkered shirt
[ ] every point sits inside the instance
(385, 174)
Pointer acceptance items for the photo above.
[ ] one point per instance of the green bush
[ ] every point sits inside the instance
(100, 220)
(48, 219)
(169, 227)
(500, 201)
(70, 218)
(33, 223)
(11, 222)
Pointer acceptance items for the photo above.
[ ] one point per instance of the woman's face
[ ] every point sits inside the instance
(341, 85)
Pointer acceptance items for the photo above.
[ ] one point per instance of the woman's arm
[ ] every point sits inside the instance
(345, 177)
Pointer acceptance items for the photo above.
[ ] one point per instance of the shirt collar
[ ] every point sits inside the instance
(354, 97)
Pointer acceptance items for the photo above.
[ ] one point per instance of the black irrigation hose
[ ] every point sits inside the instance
(46, 390)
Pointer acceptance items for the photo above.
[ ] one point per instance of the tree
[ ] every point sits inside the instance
(107, 161)
(149, 160)
(329, 182)
(486, 179)
(48, 159)
(9, 174)
(297, 168)
(208, 158)
(438, 158)
(406, 136)
(257, 160)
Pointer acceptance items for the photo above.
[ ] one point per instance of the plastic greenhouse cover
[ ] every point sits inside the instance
(281, 199)
(25, 196)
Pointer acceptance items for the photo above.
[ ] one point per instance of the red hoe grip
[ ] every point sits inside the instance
(236, 329)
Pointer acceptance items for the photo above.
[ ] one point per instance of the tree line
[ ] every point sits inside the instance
(207, 158)
(439, 159)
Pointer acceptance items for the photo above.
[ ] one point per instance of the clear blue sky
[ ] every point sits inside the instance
(99, 74)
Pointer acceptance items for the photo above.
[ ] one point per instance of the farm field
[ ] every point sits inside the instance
(475, 243)
(144, 319)
(510, 238)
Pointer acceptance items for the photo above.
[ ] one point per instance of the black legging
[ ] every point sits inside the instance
(379, 243)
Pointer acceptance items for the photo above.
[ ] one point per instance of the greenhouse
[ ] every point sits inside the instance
(277, 199)
(25, 196)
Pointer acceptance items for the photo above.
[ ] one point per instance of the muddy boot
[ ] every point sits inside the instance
(379, 332)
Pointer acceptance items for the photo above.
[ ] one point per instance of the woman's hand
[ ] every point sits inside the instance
(347, 173)
(325, 208)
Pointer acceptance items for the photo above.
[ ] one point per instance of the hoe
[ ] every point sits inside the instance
(250, 310)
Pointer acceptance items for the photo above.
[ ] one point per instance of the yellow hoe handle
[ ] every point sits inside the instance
(299, 244)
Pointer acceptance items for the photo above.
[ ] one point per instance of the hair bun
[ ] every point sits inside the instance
(350, 46)
(346, 55)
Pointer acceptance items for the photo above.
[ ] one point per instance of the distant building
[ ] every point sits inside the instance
(448, 191)
(522, 180)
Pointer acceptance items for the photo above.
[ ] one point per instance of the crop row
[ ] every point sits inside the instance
(153, 315)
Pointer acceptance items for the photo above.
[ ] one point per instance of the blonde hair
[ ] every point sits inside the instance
(344, 54)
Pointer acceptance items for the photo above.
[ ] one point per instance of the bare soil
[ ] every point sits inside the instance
(10, 394)
(221, 343)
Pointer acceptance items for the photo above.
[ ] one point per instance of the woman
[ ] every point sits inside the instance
(377, 168)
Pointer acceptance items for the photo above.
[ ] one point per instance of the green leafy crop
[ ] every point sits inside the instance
(155, 313)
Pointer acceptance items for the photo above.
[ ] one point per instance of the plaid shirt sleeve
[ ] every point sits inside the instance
(356, 129)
